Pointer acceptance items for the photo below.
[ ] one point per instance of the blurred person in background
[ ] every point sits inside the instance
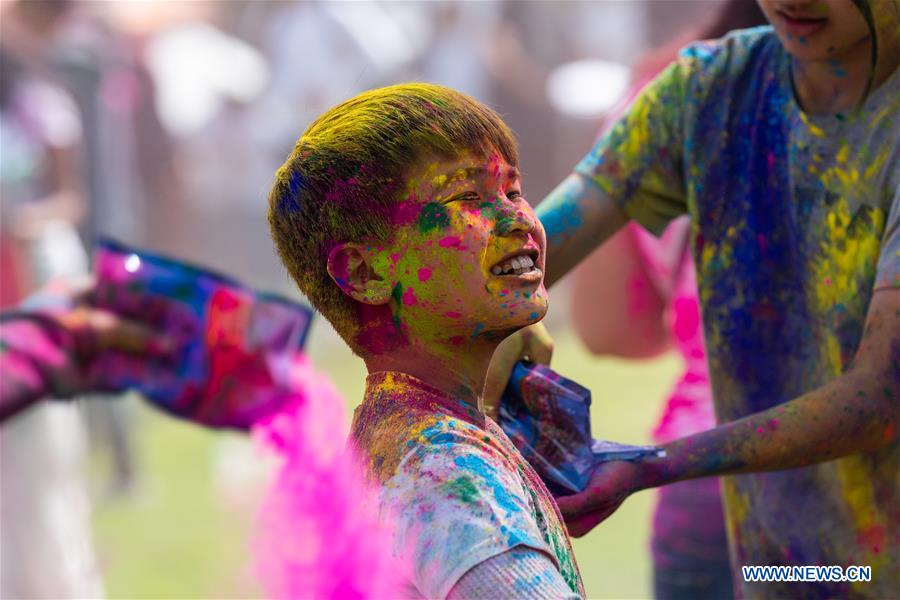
(124, 156)
(635, 297)
(44, 507)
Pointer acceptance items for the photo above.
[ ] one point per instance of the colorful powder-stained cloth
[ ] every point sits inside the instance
(457, 489)
(795, 224)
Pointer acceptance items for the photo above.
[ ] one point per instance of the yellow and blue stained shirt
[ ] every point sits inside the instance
(795, 224)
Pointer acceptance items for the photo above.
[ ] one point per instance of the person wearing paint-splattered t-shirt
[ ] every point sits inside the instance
(400, 215)
(782, 145)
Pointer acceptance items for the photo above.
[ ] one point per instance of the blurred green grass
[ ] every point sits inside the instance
(179, 535)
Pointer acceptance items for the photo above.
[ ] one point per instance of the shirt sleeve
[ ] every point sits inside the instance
(521, 572)
(32, 355)
(887, 274)
(455, 503)
(638, 164)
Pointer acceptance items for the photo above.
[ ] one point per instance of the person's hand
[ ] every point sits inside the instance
(608, 487)
(90, 349)
(531, 344)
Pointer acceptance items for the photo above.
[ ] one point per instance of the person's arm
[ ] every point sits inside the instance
(577, 217)
(521, 572)
(857, 412)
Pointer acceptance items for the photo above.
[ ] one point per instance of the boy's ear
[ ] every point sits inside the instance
(350, 268)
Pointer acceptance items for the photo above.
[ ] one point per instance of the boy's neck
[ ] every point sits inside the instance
(827, 87)
(459, 371)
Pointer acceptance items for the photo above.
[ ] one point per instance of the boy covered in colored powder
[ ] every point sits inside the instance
(782, 145)
(400, 215)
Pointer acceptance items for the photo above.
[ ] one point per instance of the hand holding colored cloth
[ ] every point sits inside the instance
(234, 346)
(547, 417)
(57, 345)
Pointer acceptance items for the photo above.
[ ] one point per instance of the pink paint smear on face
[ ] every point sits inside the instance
(409, 297)
(451, 241)
(318, 534)
(424, 274)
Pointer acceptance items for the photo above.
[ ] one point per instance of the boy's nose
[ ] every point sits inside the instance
(513, 220)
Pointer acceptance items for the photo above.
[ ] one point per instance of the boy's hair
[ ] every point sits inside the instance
(348, 170)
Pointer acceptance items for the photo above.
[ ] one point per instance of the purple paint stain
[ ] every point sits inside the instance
(452, 314)
(406, 213)
(409, 298)
(451, 241)
(424, 274)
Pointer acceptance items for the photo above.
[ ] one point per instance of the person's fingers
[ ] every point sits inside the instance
(83, 289)
(574, 505)
(537, 344)
(502, 364)
(100, 330)
(580, 526)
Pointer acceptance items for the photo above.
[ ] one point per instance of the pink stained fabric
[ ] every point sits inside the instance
(318, 533)
(670, 266)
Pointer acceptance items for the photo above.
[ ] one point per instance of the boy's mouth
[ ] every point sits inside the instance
(522, 263)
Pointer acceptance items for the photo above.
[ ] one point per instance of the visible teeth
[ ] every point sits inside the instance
(517, 266)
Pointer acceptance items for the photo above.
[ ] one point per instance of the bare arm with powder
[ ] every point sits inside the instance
(857, 412)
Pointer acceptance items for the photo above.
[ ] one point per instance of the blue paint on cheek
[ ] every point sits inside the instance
(534, 315)
(478, 329)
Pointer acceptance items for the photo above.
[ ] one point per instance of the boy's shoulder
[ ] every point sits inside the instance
(402, 417)
(457, 489)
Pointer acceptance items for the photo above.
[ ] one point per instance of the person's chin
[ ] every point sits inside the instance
(527, 315)
(804, 49)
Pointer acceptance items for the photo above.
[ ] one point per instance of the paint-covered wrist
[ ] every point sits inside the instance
(653, 471)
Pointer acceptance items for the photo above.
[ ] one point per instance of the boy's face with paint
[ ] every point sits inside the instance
(467, 255)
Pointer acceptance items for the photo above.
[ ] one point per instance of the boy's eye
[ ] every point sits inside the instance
(465, 197)
(514, 194)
